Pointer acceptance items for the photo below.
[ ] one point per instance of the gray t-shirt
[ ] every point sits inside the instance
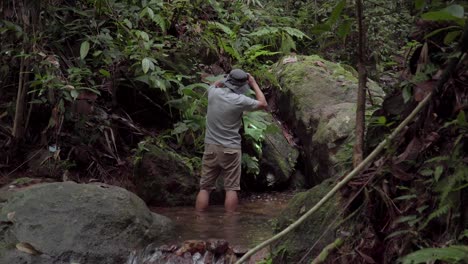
(223, 119)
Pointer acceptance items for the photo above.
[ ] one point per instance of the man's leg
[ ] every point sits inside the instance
(231, 164)
(231, 201)
(203, 200)
(209, 174)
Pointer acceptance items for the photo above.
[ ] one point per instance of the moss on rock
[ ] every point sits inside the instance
(317, 98)
(295, 244)
(162, 177)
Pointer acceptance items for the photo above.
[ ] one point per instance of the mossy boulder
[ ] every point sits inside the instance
(317, 99)
(162, 177)
(295, 244)
(68, 222)
(279, 159)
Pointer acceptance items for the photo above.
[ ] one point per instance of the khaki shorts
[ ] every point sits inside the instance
(220, 161)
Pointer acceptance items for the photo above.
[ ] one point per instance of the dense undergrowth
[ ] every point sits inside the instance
(89, 77)
(84, 83)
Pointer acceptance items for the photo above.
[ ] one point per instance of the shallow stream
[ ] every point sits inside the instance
(252, 224)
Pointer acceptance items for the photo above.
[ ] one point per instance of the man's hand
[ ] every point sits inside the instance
(219, 83)
(251, 80)
(258, 93)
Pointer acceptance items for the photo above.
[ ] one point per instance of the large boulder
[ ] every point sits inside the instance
(317, 99)
(315, 233)
(279, 158)
(162, 177)
(76, 223)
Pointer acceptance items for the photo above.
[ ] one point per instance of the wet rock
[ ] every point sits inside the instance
(192, 246)
(163, 178)
(192, 251)
(217, 246)
(296, 243)
(317, 99)
(259, 256)
(208, 258)
(197, 258)
(70, 222)
(239, 250)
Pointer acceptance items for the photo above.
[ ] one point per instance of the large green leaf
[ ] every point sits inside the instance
(437, 31)
(455, 10)
(84, 49)
(451, 13)
(146, 64)
(451, 37)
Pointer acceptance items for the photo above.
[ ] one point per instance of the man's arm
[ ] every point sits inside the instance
(258, 93)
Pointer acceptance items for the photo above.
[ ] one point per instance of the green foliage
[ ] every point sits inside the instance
(192, 105)
(102, 46)
(250, 163)
(256, 125)
(450, 13)
(451, 254)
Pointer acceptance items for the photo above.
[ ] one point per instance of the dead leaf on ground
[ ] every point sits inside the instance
(321, 64)
(421, 90)
(28, 248)
(10, 216)
(400, 173)
(411, 152)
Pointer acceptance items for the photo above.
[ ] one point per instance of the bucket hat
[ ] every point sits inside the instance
(237, 81)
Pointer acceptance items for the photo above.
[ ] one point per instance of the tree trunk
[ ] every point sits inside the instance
(361, 97)
(29, 16)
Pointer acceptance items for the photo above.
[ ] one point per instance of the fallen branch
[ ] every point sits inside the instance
(450, 68)
(341, 183)
(327, 250)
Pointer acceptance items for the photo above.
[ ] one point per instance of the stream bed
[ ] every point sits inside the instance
(252, 224)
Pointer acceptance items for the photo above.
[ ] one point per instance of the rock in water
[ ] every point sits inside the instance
(81, 223)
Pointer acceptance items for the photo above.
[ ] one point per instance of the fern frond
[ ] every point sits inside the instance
(222, 27)
(436, 214)
(451, 254)
(294, 32)
(160, 21)
(264, 31)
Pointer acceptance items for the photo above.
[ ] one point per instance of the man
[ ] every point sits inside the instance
(222, 156)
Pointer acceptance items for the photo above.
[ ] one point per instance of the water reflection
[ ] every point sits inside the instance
(245, 228)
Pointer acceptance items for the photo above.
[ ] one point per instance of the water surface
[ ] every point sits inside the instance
(252, 224)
